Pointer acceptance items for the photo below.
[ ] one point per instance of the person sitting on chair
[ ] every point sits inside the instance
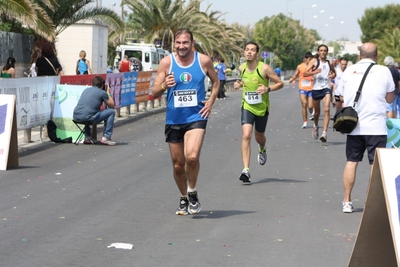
(88, 110)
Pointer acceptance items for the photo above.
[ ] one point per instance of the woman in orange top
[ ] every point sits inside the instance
(305, 88)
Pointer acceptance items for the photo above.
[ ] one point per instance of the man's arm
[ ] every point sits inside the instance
(295, 75)
(110, 102)
(163, 80)
(269, 73)
(389, 97)
(310, 66)
(237, 84)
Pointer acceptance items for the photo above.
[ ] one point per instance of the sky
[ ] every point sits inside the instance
(333, 20)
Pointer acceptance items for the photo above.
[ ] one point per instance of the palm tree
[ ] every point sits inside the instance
(72, 11)
(157, 21)
(389, 45)
(30, 14)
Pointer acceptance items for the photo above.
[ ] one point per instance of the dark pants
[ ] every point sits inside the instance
(221, 92)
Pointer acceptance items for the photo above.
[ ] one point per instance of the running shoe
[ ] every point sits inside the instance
(107, 141)
(262, 156)
(194, 204)
(347, 207)
(245, 176)
(183, 207)
(304, 125)
(315, 133)
(323, 137)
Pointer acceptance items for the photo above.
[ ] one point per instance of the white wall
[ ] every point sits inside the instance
(88, 35)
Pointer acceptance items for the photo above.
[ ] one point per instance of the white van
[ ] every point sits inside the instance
(144, 57)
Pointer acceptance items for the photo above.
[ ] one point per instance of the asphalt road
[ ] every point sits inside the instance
(66, 204)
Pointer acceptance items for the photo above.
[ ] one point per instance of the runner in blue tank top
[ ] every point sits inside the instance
(181, 75)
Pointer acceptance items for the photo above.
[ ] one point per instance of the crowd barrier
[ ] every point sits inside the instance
(40, 99)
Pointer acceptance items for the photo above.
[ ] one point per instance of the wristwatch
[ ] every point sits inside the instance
(268, 89)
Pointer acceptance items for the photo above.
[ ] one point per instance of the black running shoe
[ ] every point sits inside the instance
(245, 176)
(194, 204)
(183, 207)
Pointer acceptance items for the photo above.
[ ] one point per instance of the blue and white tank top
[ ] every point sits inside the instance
(184, 100)
(82, 66)
(321, 80)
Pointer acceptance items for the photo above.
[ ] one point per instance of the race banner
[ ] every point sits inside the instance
(66, 98)
(393, 137)
(34, 99)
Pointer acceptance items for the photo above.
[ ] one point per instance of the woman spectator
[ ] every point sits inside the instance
(35, 55)
(47, 64)
(8, 70)
(83, 65)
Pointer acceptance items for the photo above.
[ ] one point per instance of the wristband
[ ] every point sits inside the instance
(109, 94)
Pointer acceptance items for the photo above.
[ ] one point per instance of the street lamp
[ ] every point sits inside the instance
(307, 8)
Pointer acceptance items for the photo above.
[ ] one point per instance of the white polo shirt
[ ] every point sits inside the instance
(371, 106)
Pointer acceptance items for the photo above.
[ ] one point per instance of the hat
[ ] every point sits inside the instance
(388, 61)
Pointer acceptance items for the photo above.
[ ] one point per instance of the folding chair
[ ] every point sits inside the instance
(81, 135)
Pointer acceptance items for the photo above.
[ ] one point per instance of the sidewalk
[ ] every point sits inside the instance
(38, 135)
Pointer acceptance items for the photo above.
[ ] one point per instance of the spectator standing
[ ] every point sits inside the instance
(8, 70)
(47, 64)
(125, 65)
(278, 71)
(221, 70)
(35, 55)
(393, 109)
(339, 72)
(370, 131)
(83, 65)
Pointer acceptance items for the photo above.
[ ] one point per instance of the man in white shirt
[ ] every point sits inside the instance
(339, 73)
(371, 131)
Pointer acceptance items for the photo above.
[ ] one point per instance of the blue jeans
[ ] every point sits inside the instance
(107, 116)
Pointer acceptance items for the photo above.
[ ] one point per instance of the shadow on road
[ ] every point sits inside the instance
(217, 214)
(274, 180)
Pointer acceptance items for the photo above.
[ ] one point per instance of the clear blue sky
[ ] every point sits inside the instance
(333, 19)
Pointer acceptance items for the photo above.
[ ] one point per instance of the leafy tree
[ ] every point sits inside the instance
(352, 57)
(156, 21)
(286, 38)
(72, 11)
(376, 21)
(16, 12)
(389, 45)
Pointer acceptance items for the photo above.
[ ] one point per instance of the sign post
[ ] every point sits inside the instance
(265, 55)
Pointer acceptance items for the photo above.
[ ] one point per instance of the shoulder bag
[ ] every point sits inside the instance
(346, 119)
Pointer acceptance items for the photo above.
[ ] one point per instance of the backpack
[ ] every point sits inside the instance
(51, 131)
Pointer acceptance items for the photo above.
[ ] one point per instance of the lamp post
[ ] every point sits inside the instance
(307, 8)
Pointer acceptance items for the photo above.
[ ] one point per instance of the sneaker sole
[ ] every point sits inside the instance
(244, 179)
(347, 211)
(101, 141)
(181, 213)
(315, 134)
(194, 211)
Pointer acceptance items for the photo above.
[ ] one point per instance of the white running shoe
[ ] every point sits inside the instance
(347, 207)
(323, 137)
(304, 125)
